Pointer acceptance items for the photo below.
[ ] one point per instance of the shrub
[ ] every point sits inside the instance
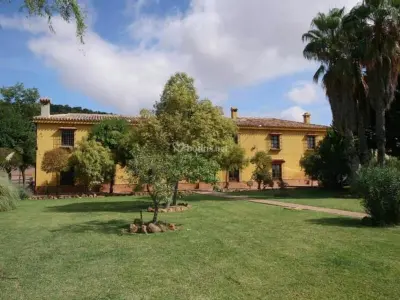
(390, 161)
(262, 172)
(56, 160)
(92, 163)
(216, 188)
(24, 193)
(263, 178)
(282, 184)
(329, 163)
(138, 188)
(9, 195)
(379, 188)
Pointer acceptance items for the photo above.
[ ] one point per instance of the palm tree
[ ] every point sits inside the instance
(328, 44)
(379, 23)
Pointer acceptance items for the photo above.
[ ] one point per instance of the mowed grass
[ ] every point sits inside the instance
(309, 196)
(71, 249)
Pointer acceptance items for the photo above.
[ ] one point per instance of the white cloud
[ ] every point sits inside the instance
(135, 7)
(224, 44)
(303, 93)
(294, 113)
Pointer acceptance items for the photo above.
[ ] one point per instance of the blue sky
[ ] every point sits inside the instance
(242, 53)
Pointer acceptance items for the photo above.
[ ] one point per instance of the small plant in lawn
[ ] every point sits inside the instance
(379, 188)
(9, 195)
(282, 184)
(283, 191)
(150, 168)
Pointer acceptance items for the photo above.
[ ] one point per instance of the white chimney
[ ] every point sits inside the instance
(45, 107)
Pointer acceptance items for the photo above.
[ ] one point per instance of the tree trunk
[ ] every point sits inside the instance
(380, 132)
(175, 195)
(363, 144)
(354, 159)
(155, 214)
(112, 182)
(259, 185)
(227, 179)
(57, 182)
(23, 177)
(9, 176)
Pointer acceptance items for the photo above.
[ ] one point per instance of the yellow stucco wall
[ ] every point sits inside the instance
(292, 144)
(252, 140)
(48, 137)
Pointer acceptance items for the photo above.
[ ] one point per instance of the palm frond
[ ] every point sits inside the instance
(320, 72)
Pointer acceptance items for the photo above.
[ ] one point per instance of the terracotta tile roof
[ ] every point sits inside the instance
(90, 118)
(275, 123)
(241, 122)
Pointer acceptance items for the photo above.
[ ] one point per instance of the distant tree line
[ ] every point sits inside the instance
(65, 109)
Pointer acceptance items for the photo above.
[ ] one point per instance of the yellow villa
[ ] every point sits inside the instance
(285, 141)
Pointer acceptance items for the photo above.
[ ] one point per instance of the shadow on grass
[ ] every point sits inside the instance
(337, 222)
(103, 206)
(203, 197)
(107, 227)
(297, 193)
(104, 227)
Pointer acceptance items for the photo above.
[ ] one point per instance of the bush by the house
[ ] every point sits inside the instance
(379, 188)
(9, 195)
(329, 163)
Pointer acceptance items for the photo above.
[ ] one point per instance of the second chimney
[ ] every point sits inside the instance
(234, 113)
(45, 107)
(307, 118)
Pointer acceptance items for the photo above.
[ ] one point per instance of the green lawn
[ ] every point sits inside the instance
(310, 196)
(70, 249)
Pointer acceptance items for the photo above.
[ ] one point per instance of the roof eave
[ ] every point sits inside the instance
(79, 122)
(283, 128)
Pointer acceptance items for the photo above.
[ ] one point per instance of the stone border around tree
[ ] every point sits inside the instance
(138, 227)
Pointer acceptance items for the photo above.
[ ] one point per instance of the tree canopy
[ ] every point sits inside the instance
(68, 10)
(262, 171)
(18, 106)
(56, 160)
(191, 130)
(329, 163)
(112, 134)
(92, 163)
(359, 56)
(232, 158)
